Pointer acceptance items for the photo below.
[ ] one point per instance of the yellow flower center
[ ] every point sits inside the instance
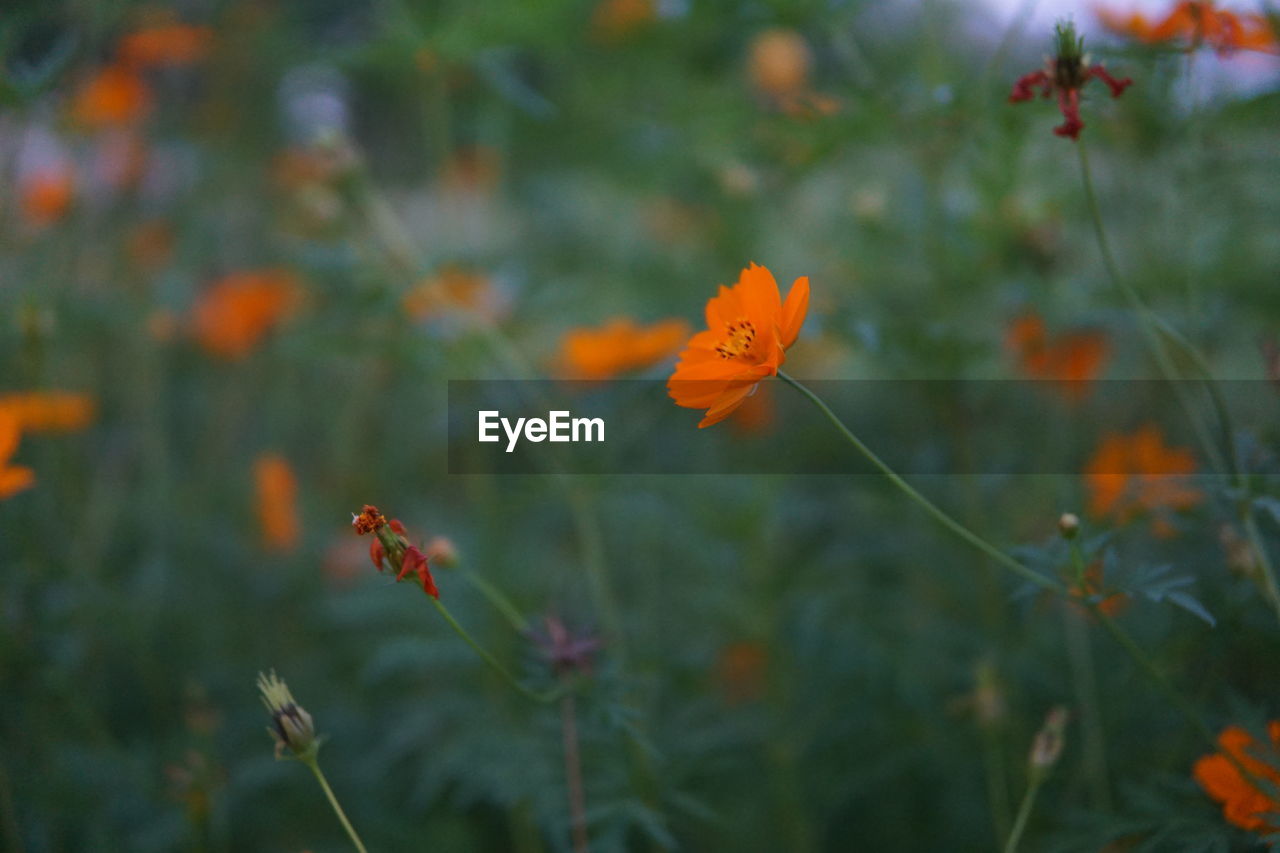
(739, 336)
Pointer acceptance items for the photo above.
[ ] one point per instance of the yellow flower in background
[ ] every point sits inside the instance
(619, 346)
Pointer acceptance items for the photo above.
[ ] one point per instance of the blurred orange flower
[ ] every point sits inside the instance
(1197, 23)
(165, 45)
(612, 20)
(234, 313)
(46, 196)
(277, 490)
(1243, 804)
(49, 411)
(115, 96)
(1132, 474)
(453, 288)
(749, 328)
(1091, 585)
(779, 63)
(740, 671)
(1071, 360)
(619, 346)
(13, 478)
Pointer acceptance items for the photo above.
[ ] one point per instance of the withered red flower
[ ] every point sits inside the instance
(1065, 74)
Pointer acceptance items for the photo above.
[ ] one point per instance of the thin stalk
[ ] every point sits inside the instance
(573, 773)
(920, 500)
(1084, 676)
(1153, 326)
(1122, 637)
(1024, 813)
(310, 761)
(499, 601)
(487, 657)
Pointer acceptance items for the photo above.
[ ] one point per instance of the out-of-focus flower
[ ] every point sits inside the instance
(277, 498)
(619, 346)
(391, 544)
(1065, 74)
(165, 45)
(13, 478)
(1069, 525)
(1243, 803)
(291, 725)
(1091, 588)
(237, 311)
(614, 20)
(474, 169)
(454, 290)
(779, 63)
(150, 245)
(1047, 746)
(749, 328)
(1195, 23)
(567, 652)
(1137, 473)
(441, 551)
(49, 411)
(115, 96)
(46, 195)
(740, 671)
(1071, 361)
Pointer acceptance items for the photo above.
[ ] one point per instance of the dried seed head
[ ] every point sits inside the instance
(291, 725)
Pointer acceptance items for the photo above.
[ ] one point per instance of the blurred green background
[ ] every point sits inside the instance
(258, 238)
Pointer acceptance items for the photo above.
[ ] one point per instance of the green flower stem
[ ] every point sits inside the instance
(310, 760)
(1084, 674)
(1122, 637)
(494, 664)
(499, 601)
(924, 503)
(1153, 326)
(1024, 811)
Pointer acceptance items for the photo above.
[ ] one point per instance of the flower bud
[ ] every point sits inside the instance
(1069, 525)
(291, 725)
(442, 552)
(1048, 743)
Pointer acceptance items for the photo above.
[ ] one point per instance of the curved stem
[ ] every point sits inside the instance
(310, 761)
(1153, 326)
(494, 664)
(920, 500)
(1024, 812)
(499, 601)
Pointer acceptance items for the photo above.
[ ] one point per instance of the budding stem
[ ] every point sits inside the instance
(1024, 811)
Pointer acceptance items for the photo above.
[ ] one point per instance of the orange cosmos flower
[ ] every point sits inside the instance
(277, 502)
(234, 314)
(49, 411)
(114, 97)
(1071, 360)
(46, 196)
(166, 45)
(779, 63)
(619, 346)
(13, 478)
(749, 328)
(1196, 23)
(1132, 474)
(1242, 803)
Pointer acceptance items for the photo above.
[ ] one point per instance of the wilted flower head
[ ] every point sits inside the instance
(1066, 73)
(391, 543)
(291, 725)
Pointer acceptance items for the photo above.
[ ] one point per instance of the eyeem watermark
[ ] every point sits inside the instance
(559, 426)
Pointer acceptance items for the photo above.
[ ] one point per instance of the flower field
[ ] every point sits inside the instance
(878, 436)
